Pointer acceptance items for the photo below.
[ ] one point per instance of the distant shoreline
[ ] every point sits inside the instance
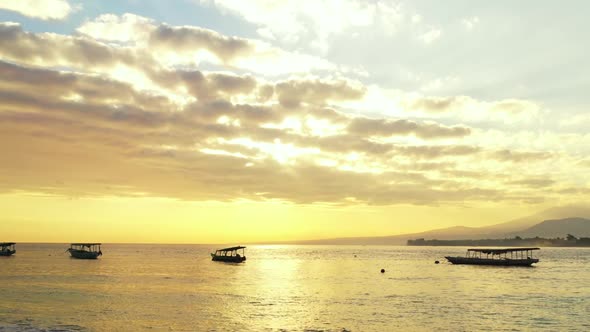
(569, 241)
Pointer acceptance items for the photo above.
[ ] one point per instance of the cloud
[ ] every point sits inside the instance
(430, 36)
(576, 122)
(533, 182)
(521, 156)
(41, 9)
(48, 49)
(470, 22)
(515, 107)
(186, 41)
(436, 151)
(436, 104)
(190, 39)
(53, 86)
(191, 45)
(471, 110)
(439, 83)
(306, 22)
(126, 122)
(120, 141)
(291, 93)
(381, 127)
(113, 28)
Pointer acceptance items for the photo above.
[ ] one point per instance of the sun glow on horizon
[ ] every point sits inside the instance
(136, 219)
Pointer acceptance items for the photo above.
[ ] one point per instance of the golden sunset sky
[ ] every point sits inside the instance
(219, 121)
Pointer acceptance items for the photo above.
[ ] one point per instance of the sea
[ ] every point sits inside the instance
(152, 287)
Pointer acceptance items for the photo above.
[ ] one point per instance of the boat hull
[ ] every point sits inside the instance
(496, 262)
(81, 254)
(7, 252)
(228, 259)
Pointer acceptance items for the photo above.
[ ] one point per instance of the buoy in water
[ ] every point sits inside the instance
(382, 270)
(436, 262)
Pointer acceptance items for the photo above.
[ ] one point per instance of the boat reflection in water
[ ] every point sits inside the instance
(85, 250)
(231, 255)
(501, 257)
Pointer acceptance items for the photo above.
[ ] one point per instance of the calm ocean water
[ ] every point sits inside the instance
(318, 288)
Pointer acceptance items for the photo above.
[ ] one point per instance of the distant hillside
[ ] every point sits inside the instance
(569, 241)
(556, 213)
(455, 232)
(523, 227)
(530, 226)
(579, 227)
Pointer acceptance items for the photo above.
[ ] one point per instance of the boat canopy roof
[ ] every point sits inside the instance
(2, 244)
(501, 251)
(231, 248)
(86, 244)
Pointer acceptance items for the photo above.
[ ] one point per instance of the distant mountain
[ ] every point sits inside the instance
(582, 211)
(456, 232)
(579, 227)
(524, 227)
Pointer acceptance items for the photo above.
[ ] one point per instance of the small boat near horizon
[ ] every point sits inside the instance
(230, 255)
(498, 257)
(85, 250)
(7, 248)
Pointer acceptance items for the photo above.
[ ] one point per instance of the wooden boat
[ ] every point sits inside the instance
(85, 250)
(230, 255)
(7, 248)
(500, 257)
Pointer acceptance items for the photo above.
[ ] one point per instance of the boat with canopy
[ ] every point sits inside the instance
(501, 257)
(231, 254)
(7, 248)
(85, 250)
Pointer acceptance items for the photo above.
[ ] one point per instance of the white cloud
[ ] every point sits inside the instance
(577, 121)
(266, 33)
(439, 83)
(295, 21)
(416, 18)
(470, 22)
(430, 36)
(41, 9)
(465, 109)
(124, 28)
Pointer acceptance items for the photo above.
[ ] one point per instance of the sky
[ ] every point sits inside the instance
(219, 121)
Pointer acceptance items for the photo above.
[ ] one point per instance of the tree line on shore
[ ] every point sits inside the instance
(568, 241)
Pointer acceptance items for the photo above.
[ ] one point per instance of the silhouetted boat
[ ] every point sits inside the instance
(229, 255)
(85, 250)
(7, 248)
(501, 257)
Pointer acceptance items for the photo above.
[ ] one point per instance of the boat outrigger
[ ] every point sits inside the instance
(231, 255)
(85, 250)
(7, 248)
(501, 257)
